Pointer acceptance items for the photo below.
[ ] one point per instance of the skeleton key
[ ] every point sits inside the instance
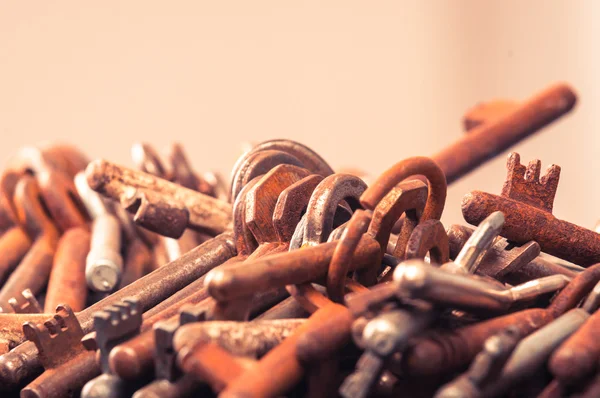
(494, 137)
(526, 202)
(113, 325)
(152, 290)
(68, 365)
(273, 181)
(507, 262)
(442, 351)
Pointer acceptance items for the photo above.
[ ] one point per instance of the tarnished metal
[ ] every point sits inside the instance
(382, 336)
(534, 350)
(138, 261)
(486, 366)
(113, 325)
(526, 202)
(507, 262)
(489, 139)
(308, 158)
(344, 253)
(577, 357)
(417, 279)
(33, 271)
(68, 366)
(279, 370)
(67, 284)
(125, 185)
(104, 264)
(428, 237)
(219, 315)
(22, 363)
(250, 339)
(442, 351)
(14, 244)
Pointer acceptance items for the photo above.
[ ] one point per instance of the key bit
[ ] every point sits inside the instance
(526, 202)
(58, 339)
(25, 303)
(115, 324)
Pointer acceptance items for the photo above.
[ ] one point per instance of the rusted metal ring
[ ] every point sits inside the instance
(428, 237)
(343, 254)
(324, 202)
(418, 165)
(244, 240)
(310, 159)
(259, 163)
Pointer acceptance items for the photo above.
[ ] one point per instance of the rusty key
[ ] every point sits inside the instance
(159, 205)
(113, 325)
(507, 262)
(67, 365)
(495, 136)
(526, 202)
(67, 283)
(577, 357)
(33, 271)
(23, 362)
(440, 352)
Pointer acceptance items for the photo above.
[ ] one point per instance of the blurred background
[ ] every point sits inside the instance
(365, 84)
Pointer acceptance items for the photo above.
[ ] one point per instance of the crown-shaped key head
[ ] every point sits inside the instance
(25, 303)
(58, 340)
(115, 324)
(524, 184)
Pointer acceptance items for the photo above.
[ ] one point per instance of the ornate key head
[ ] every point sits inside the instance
(524, 184)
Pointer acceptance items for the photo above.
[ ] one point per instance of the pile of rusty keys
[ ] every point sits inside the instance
(294, 280)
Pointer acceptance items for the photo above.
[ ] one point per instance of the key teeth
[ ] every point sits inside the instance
(190, 313)
(57, 339)
(551, 177)
(532, 174)
(524, 184)
(36, 333)
(25, 303)
(117, 320)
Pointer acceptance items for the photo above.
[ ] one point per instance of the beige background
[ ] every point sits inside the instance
(363, 83)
